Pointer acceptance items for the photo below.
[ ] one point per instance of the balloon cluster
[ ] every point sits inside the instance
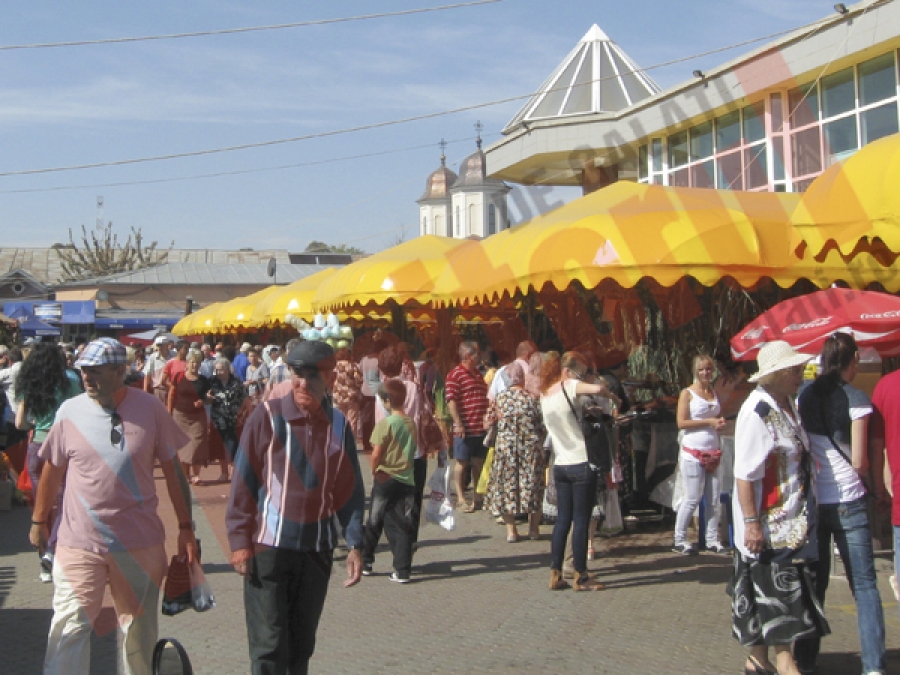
(325, 328)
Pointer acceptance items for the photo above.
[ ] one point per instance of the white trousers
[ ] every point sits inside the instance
(698, 483)
(80, 578)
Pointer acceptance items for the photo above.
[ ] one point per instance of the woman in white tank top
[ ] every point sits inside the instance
(699, 417)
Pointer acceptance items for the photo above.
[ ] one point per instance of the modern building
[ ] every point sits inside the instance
(772, 119)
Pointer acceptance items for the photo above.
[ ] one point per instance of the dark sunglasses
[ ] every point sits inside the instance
(115, 436)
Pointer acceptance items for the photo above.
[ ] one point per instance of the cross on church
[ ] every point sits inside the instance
(478, 128)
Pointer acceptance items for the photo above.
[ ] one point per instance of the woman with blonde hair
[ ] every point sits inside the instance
(562, 405)
(187, 396)
(699, 418)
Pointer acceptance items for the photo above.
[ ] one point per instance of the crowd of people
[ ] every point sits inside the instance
(522, 431)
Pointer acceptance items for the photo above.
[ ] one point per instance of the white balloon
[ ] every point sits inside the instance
(331, 320)
(319, 321)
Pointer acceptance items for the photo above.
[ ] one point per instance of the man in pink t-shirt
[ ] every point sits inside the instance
(106, 443)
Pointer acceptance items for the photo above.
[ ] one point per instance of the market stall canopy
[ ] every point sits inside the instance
(806, 321)
(855, 199)
(404, 273)
(295, 299)
(199, 322)
(626, 232)
(238, 313)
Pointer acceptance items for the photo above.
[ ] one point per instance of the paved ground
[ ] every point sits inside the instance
(477, 605)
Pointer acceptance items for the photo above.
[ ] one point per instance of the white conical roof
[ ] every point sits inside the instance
(596, 76)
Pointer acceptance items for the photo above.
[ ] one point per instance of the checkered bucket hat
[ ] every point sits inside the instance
(101, 351)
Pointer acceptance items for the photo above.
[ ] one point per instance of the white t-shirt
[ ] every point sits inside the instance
(836, 480)
(562, 425)
(767, 446)
(701, 438)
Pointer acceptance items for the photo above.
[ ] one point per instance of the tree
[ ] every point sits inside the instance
(101, 254)
(322, 247)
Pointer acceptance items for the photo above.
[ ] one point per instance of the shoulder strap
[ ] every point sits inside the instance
(569, 401)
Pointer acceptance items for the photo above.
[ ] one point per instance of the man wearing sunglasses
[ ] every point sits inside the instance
(105, 442)
(296, 468)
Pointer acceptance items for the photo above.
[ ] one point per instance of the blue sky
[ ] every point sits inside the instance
(69, 106)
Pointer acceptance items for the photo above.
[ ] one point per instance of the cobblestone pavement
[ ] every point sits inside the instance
(476, 605)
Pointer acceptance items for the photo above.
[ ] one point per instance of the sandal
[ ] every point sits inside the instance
(468, 508)
(195, 480)
(586, 582)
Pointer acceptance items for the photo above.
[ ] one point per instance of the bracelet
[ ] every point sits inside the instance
(753, 519)
(186, 526)
(38, 522)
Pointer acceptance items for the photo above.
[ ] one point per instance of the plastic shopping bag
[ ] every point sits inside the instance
(439, 509)
(186, 588)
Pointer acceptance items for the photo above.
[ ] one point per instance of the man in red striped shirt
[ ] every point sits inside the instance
(467, 403)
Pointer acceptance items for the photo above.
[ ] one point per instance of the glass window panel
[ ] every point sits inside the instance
(550, 105)
(701, 141)
(657, 154)
(754, 122)
(806, 150)
(643, 162)
(581, 95)
(802, 185)
(678, 149)
(728, 131)
(730, 175)
(840, 138)
(657, 180)
(838, 95)
(777, 112)
(877, 80)
(780, 187)
(756, 173)
(778, 157)
(879, 122)
(679, 178)
(804, 102)
(703, 175)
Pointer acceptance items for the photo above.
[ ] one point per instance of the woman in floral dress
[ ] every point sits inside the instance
(348, 390)
(517, 473)
(226, 395)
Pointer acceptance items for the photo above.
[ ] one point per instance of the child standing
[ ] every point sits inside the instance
(393, 489)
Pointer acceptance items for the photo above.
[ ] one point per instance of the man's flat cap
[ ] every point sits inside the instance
(309, 354)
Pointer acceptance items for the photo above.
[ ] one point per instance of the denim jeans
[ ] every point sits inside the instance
(391, 510)
(283, 600)
(848, 525)
(897, 553)
(576, 494)
(698, 483)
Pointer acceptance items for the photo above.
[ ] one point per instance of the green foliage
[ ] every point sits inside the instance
(322, 247)
(100, 254)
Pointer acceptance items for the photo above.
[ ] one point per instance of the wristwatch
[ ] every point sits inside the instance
(751, 519)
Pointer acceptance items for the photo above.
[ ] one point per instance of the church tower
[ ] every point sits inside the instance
(478, 203)
(435, 215)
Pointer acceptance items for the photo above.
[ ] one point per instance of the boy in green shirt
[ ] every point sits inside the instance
(393, 488)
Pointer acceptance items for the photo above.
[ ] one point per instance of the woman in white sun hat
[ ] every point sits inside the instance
(773, 601)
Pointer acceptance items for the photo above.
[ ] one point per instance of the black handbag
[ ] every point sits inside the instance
(596, 440)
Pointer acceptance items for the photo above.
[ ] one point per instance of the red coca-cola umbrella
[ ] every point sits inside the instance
(873, 318)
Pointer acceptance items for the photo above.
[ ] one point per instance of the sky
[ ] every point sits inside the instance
(324, 84)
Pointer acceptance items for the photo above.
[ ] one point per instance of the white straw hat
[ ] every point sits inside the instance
(775, 356)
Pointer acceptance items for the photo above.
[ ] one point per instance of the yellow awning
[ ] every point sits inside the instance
(626, 232)
(403, 273)
(856, 198)
(238, 312)
(198, 322)
(295, 298)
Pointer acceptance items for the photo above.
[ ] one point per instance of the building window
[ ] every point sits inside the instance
(458, 223)
(425, 225)
(492, 219)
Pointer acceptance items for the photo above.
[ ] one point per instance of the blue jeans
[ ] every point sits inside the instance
(576, 494)
(848, 525)
(897, 553)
